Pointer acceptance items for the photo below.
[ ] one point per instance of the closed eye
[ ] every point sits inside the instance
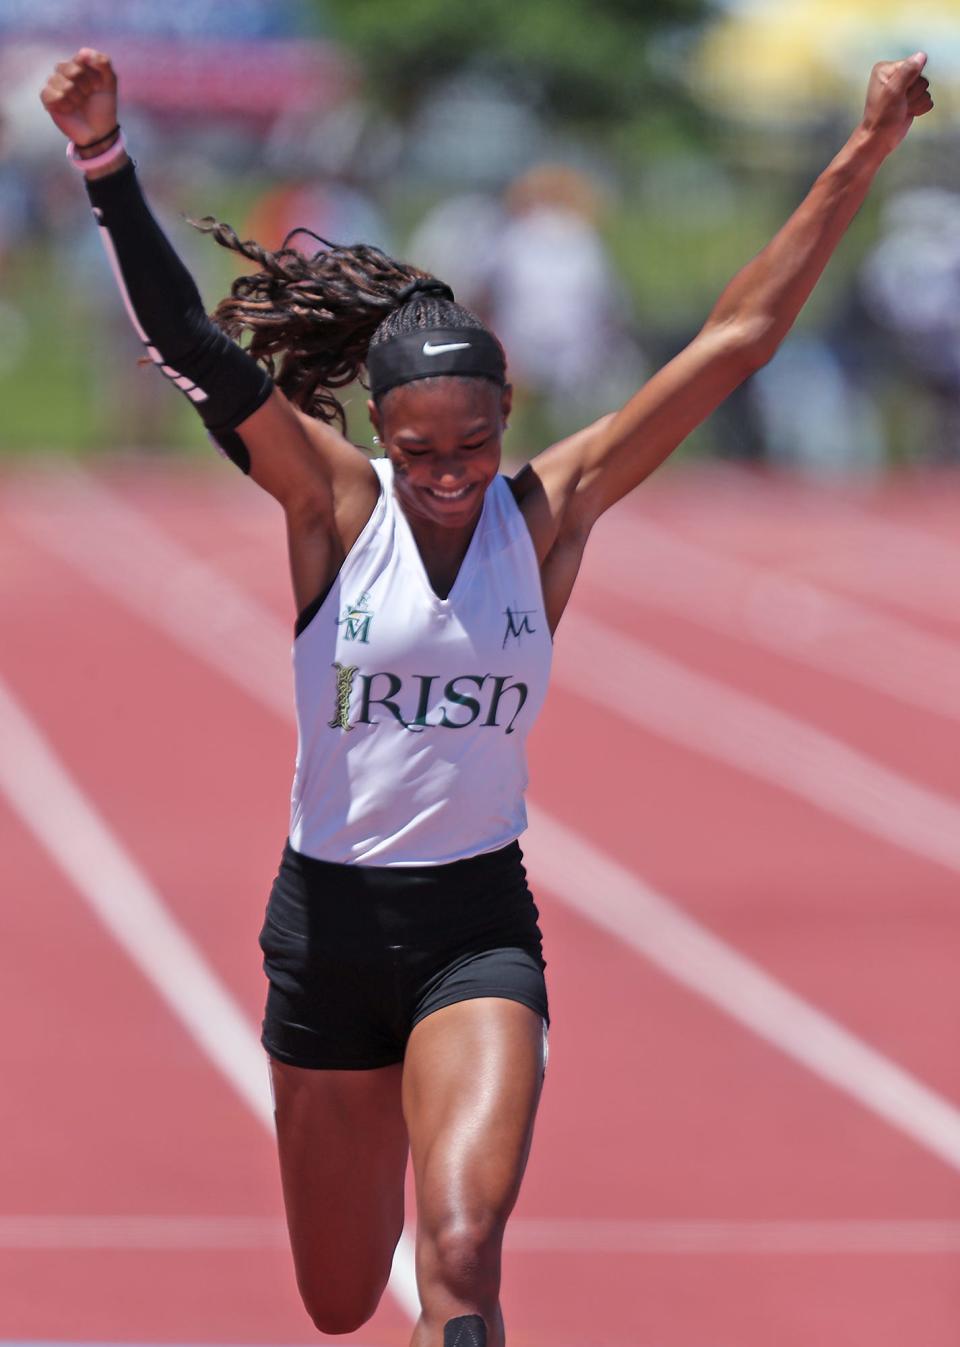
(422, 452)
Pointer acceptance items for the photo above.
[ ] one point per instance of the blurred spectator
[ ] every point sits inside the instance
(457, 241)
(812, 416)
(554, 301)
(333, 210)
(17, 215)
(472, 130)
(911, 284)
(17, 208)
(537, 270)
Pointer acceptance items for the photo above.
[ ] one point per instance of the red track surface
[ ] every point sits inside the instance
(658, 1106)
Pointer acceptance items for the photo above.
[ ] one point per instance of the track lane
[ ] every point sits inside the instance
(827, 535)
(688, 1116)
(154, 742)
(532, 1314)
(116, 1111)
(127, 1107)
(825, 852)
(857, 927)
(885, 686)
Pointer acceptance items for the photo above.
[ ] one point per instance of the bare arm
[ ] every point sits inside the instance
(583, 476)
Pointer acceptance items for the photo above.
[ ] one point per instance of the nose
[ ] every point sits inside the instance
(448, 472)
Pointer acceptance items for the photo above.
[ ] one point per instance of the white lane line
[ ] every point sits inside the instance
(533, 1235)
(846, 546)
(639, 684)
(641, 562)
(605, 893)
(525, 1234)
(81, 844)
(622, 904)
(79, 841)
(120, 549)
(102, 1231)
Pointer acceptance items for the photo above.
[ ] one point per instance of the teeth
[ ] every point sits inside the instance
(448, 495)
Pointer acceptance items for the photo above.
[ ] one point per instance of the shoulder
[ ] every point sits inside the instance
(354, 482)
(545, 489)
(347, 465)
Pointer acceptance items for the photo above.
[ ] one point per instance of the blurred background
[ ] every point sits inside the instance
(745, 809)
(586, 175)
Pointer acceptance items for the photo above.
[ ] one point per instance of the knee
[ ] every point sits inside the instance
(333, 1319)
(465, 1253)
(335, 1310)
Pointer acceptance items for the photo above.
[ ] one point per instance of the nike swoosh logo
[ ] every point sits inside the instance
(430, 349)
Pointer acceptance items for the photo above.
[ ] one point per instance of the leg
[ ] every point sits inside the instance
(343, 1155)
(471, 1085)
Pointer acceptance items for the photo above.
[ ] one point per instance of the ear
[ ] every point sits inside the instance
(374, 412)
(506, 402)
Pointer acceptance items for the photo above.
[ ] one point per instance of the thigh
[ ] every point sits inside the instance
(472, 1078)
(343, 1152)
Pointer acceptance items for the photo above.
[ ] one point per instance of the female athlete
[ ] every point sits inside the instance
(407, 1007)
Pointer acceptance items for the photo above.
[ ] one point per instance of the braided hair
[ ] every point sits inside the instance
(312, 318)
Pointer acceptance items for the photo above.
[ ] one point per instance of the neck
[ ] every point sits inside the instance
(442, 547)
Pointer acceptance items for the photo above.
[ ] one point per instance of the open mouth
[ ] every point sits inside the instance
(451, 496)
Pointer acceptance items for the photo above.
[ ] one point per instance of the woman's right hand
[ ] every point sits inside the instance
(81, 96)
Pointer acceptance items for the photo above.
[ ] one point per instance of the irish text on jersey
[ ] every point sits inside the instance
(491, 700)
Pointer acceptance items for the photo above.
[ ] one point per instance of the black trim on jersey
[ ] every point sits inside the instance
(225, 384)
(306, 615)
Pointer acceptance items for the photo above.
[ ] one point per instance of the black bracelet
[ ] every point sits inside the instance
(99, 141)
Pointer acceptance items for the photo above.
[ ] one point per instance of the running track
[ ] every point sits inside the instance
(746, 849)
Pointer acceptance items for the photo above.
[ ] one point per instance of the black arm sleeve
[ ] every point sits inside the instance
(225, 384)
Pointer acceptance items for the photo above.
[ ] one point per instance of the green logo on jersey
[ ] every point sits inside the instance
(345, 676)
(355, 620)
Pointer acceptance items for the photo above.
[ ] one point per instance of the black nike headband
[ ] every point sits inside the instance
(434, 350)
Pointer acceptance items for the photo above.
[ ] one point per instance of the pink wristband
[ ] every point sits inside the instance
(99, 160)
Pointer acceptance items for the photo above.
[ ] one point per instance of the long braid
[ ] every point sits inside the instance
(311, 319)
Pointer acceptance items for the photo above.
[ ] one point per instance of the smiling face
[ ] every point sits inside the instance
(443, 437)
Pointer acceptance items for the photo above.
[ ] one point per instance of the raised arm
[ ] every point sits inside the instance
(583, 476)
(244, 413)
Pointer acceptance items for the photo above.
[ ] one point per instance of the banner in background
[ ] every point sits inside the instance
(249, 58)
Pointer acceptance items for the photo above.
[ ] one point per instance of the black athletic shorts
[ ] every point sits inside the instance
(356, 955)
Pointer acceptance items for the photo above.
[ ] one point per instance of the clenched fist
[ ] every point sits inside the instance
(81, 96)
(898, 92)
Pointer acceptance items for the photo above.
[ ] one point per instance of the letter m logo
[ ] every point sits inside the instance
(357, 627)
(355, 620)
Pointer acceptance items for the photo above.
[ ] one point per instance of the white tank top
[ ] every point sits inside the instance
(412, 710)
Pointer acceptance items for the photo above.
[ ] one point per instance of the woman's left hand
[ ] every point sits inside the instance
(898, 92)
